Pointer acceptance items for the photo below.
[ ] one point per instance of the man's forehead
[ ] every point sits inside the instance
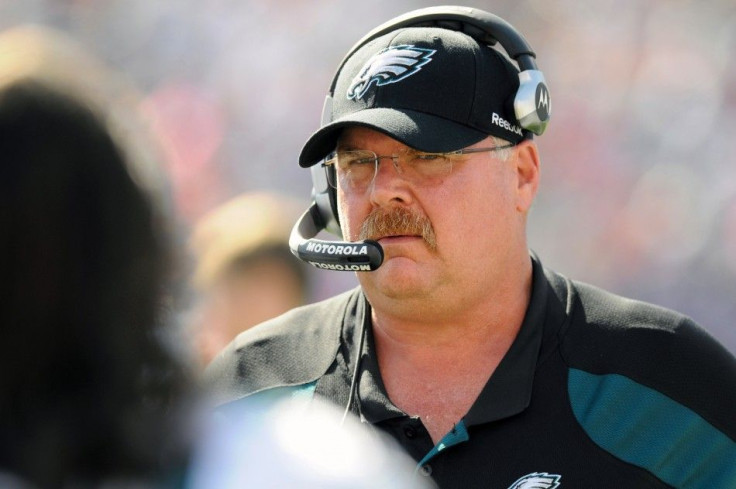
(355, 136)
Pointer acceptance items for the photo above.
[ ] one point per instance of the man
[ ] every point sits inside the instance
(490, 370)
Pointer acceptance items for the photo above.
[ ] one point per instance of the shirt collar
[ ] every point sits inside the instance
(506, 393)
(509, 390)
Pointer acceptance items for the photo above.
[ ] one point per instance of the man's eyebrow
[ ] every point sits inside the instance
(347, 146)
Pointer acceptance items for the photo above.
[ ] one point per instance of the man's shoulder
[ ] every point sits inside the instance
(293, 349)
(606, 327)
(613, 340)
(614, 321)
(607, 309)
(640, 375)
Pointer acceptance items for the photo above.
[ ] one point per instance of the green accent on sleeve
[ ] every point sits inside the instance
(650, 430)
(302, 393)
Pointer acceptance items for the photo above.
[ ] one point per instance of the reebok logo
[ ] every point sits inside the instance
(503, 123)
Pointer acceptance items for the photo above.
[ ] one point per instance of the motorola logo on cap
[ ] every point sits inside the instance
(542, 102)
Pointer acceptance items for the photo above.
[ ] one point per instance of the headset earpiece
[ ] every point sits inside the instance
(325, 198)
(532, 104)
(323, 195)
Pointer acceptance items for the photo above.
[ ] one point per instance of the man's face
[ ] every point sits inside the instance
(473, 212)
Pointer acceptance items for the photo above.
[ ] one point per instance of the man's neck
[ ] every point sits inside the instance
(434, 367)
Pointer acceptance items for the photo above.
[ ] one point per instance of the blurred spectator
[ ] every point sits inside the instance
(90, 388)
(245, 272)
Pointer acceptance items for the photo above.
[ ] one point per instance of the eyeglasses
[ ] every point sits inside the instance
(355, 170)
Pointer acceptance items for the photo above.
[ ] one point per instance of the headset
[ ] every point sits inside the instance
(532, 107)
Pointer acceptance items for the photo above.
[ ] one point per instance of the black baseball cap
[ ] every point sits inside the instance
(430, 88)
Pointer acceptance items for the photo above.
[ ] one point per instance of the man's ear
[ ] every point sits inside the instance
(527, 172)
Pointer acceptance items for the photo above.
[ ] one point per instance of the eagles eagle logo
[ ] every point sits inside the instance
(389, 65)
(537, 480)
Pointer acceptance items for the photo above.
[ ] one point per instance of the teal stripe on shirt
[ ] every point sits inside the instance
(269, 397)
(648, 429)
(458, 434)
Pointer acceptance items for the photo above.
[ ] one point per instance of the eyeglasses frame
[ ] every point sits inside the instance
(332, 160)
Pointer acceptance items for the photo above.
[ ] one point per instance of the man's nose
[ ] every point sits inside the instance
(388, 185)
(387, 169)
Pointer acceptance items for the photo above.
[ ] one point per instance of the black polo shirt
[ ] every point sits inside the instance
(595, 391)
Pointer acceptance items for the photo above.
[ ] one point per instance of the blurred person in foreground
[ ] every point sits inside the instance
(489, 369)
(92, 393)
(244, 272)
(92, 390)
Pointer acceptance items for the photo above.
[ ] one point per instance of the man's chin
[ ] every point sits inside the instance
(399, 277)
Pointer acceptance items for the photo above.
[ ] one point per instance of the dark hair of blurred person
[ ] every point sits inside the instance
(88, 386)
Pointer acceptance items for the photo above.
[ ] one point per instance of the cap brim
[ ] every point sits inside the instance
(415, 129)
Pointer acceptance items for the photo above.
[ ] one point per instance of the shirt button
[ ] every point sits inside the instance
(410, 432)
(425, 470)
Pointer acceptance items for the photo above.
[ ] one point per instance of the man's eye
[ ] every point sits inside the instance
(361, 161)
(429, 156)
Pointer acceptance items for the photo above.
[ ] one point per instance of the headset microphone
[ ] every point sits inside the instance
(360, 256)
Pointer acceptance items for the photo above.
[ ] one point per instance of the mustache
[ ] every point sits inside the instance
(398, 221)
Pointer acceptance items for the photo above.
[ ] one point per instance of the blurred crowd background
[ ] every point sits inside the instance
(638, 187)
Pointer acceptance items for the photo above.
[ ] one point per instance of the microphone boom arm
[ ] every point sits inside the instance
(359, 256)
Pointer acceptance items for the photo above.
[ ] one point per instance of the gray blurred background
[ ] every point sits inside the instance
(638, 187)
